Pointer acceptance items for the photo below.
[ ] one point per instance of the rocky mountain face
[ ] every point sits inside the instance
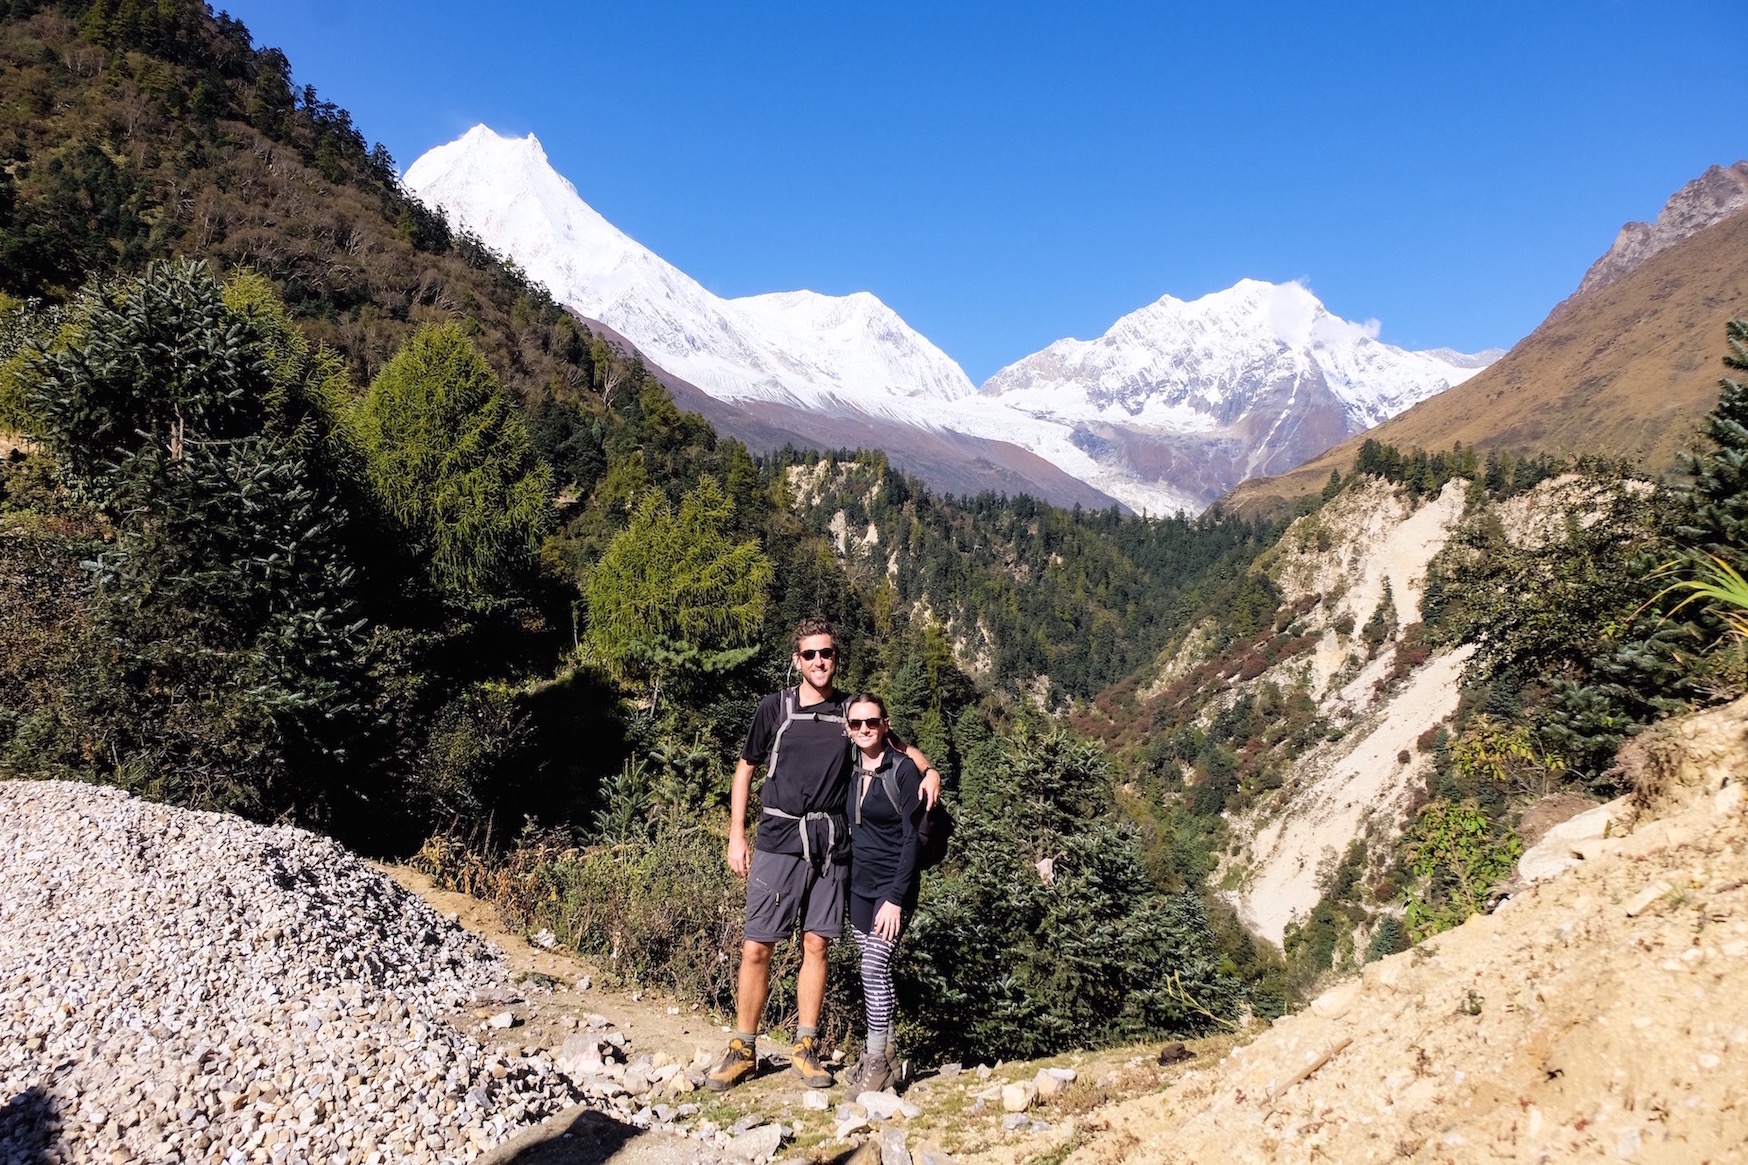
(1712, 197)
(1173, 406)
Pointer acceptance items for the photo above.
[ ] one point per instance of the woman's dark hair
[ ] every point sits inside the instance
(865, 698)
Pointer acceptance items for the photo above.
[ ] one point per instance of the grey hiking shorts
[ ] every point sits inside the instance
(782, 888)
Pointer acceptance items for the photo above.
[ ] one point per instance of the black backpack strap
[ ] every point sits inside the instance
(889, 778)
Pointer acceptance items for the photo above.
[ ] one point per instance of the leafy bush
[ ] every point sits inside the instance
(1457, 855)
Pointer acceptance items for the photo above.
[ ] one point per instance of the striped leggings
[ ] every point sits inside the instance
(878, 995)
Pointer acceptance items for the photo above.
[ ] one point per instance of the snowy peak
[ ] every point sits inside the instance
(1181, 400)
(796, 348)
(1175, 404)
(1209, 356)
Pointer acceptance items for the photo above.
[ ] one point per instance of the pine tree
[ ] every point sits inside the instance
(448, 456)
(675, 597)
(229, 651)
(1719, 524)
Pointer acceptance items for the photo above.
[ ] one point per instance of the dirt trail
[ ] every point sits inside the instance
(1604, 1013)
(961, 1119)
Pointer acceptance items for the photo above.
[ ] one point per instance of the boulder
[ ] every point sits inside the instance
(758, 1144)
(1337, 1001)
(893, 1150)
(931, 1154)
(1018, 1097)
(884, 1106)
(1556, 852)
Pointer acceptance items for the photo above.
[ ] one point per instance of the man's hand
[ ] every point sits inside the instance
(886, 921)
(930, 789)
(736, 850)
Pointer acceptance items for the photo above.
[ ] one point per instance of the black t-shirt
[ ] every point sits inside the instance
(884, 846)
(812, 774)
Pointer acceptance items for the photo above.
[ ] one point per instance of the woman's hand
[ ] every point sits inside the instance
(886, 921)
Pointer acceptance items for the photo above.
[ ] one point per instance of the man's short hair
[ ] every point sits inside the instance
(809, 627)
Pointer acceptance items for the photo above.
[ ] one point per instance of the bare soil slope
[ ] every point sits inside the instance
(1626, 370)
(1602, 1014)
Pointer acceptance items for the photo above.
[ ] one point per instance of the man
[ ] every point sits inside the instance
(800, 870)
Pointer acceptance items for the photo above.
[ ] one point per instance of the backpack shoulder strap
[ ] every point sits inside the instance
(788, 704)
(889, 778)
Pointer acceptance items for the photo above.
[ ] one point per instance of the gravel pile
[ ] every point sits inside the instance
(181, 986)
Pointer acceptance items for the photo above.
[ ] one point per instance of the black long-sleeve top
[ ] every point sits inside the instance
(883, 837)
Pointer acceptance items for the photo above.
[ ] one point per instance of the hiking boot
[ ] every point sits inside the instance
(875, 1073)
(737, 1064)
(805, 1062)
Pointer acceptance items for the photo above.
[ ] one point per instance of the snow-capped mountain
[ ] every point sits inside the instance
(793, 347)
(1198, 396)
(1173, 406)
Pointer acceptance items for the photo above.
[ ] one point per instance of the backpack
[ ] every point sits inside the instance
(933, 832)
(791, 713)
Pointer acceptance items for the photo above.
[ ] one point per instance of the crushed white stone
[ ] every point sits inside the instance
(179, 986)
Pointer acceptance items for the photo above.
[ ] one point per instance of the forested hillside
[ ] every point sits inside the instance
(313, 510)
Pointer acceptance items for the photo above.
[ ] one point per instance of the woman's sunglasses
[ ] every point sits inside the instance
(858, 725)
(823, 652)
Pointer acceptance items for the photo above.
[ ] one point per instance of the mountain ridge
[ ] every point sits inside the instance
(1626, 370)
(1273, 386)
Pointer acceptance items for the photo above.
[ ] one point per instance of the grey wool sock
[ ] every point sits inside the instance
(802, 1033)
(877, 1043)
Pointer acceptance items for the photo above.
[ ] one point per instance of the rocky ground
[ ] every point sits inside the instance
(179, 986)
(1602, 1013)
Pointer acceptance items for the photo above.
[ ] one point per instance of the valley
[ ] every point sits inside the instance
(1343, 740)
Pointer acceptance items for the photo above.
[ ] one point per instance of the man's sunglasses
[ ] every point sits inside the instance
(858, 725)
(823, 652)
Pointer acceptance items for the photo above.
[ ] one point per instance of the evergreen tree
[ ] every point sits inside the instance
(1044, 932)
(675, 597)
(1719, 524)
(449, 458)
(228, 648)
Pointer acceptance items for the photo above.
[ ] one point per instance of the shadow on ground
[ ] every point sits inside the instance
(580, 1136)
(27, 1124)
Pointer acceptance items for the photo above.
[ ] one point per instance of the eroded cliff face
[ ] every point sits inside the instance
(1602, 1013)
(1356, 572)
(1364, 555)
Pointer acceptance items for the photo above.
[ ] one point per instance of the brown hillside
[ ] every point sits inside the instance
(1625, 371)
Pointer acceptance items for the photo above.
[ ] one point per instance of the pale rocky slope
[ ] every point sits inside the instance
(1600, 1015)
(1368, 536)
(1362, 784)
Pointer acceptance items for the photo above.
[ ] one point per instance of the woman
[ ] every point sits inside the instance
(884, 812)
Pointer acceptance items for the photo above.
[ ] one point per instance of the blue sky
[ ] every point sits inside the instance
(1006, 174)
